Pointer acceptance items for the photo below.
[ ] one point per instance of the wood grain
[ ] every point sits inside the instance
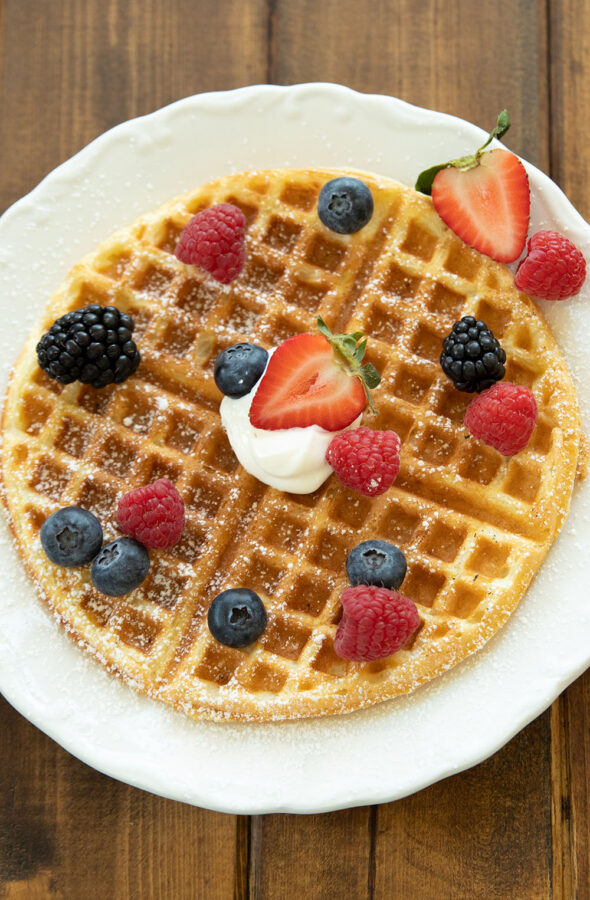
(518, 825)
(485, 833)
(570, 723)
(71, 831)
(319, 857)
(72, 69)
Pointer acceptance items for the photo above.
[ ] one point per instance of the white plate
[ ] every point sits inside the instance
(372, 756)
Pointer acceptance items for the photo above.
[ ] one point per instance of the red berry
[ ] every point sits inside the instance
(503, 417)
(365, 460)
(214, 240)
(375, 623)
(153, 515)
(553, 268)
(486, 205)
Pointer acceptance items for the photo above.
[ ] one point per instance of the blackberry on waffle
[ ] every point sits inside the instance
(472, 357)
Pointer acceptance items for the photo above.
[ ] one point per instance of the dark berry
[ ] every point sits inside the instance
(376, 563)
(237, 617)
(71, 536)
(239, 368)
(345, 205)
(120, 567)
(91, 345)
(472, 357)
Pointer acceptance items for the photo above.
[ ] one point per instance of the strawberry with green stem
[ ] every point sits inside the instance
(315, 379)
(484, 198)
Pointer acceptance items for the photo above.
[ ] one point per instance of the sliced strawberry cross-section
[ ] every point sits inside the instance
(314, 379)
(484, 198)
(488, 205)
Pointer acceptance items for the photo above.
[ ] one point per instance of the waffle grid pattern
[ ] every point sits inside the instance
(474, 526)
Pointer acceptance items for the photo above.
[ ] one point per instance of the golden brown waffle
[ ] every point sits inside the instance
(474, 526)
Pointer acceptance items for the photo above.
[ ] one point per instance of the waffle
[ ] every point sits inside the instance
(474, 526)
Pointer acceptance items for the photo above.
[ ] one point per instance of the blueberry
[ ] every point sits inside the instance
(237, 617)
(376, 562)
(71, 536)
(120, 567)
(345, 205)
(238, 368)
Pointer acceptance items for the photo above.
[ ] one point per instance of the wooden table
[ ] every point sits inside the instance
(516, 826)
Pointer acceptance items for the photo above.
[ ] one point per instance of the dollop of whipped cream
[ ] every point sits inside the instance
(288, 459)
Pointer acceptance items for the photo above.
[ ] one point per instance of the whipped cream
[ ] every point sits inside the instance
(288, 459)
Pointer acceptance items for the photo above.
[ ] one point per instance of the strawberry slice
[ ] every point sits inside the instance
(484, 198)
(314, 379)
(487, 206)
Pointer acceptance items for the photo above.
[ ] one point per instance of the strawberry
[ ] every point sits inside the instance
(314, 379)
(483, 198)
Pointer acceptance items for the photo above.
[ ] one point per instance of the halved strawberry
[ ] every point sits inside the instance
(484, 198)
(314, 379)
(488, 205)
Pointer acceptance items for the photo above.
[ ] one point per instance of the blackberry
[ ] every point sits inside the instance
(92, 345)
(472, 357)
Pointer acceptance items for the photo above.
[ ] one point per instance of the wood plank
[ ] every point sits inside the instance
(72, 70)
(65, 826)
(318, 857)
(483, 834)
(69, 71)
(571, 850)
(569, 44)
(570, 99)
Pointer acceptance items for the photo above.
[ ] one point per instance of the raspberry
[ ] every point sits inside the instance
(375, 623)
(214, 240)
(553, 268)
(153, 515)
(503, 417)
(365, 460)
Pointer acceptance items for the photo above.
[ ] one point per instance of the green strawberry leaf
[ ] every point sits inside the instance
(371, 375)
(425, 178)
(323, 328)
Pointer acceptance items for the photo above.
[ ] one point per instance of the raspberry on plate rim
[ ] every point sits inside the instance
(553, 268)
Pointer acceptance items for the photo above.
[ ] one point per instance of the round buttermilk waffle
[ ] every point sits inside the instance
(474, 526)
